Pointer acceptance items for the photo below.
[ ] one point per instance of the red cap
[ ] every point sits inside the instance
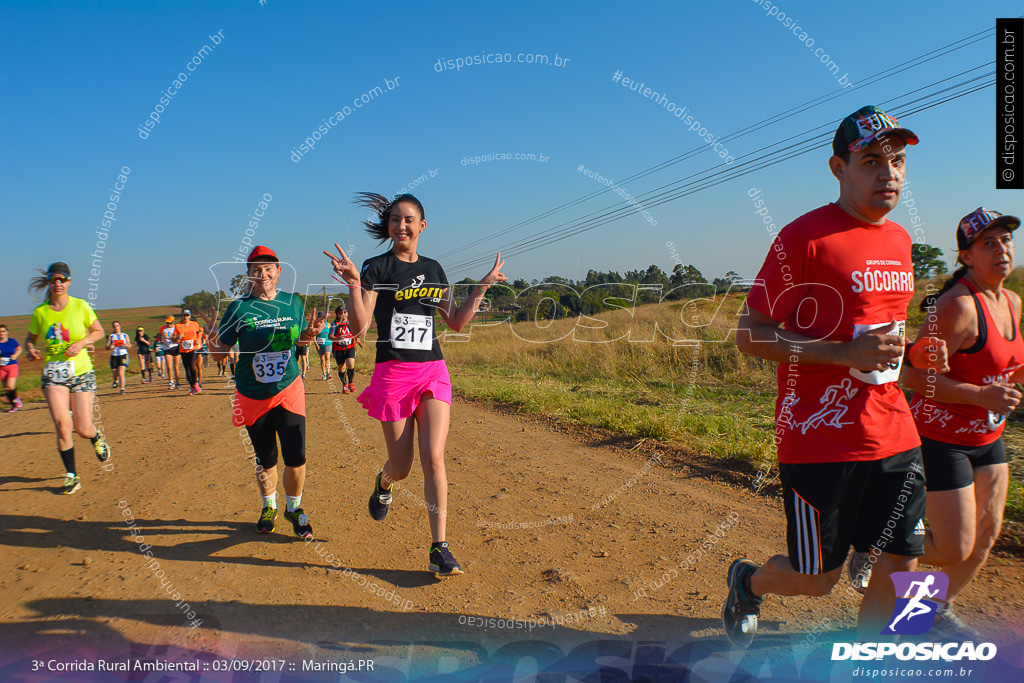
(263, 251)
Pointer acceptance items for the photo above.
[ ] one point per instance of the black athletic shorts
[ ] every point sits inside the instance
(172, 352)
(301, 349)
(867, 504)
(341, 355)
(118, 361)
(950, 466)
(278, 423)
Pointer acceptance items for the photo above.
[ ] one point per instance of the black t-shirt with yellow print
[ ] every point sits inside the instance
(408, 294)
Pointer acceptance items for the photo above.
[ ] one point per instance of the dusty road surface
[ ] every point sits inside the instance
(584, 554)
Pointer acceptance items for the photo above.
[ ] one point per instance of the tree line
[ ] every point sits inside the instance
(520, 299)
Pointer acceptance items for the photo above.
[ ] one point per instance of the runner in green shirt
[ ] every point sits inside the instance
(270, 400)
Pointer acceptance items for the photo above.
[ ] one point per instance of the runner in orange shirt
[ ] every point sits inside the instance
(189, 335)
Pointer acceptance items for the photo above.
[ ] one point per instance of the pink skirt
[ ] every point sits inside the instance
(397, 387)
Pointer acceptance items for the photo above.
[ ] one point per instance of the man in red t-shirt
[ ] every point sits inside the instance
(830, 306)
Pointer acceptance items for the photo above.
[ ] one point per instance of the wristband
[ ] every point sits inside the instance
(906, 354)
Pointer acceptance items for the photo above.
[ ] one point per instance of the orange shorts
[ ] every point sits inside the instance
(247, 410)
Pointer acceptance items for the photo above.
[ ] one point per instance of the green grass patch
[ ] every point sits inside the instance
(691, 417)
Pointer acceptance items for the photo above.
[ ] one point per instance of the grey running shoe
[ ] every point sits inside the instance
(859, 570)
(949, 626)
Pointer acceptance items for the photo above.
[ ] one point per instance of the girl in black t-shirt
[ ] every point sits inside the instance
(144, 346)
(410, 385)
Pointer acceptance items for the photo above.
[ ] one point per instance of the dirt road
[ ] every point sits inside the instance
(552, 523)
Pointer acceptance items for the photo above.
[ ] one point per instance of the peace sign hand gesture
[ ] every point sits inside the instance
(495, 274)
(208, 318)
(344, 266)
(317, 323)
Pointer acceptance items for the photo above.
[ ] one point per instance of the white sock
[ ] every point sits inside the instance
(293, 503)
(270, 501)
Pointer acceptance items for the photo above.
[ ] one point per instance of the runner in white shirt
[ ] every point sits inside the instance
(171, 353)
(118, 343)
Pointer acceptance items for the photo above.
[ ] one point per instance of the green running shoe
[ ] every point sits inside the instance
(71, 484)
(266, 523)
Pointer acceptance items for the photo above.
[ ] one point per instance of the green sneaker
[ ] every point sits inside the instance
(101, 448)
(300, 523)
(71, 484)
(266, 523)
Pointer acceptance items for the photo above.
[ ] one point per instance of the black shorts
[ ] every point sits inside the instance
(341, 355)
(301, 349)
(172, 352)
(950, 466)
(867, 504)
(118, 361)
(278, 423)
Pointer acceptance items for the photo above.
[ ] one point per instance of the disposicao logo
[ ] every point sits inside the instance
(914, 614)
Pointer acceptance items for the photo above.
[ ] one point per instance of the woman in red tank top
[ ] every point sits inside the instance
(960, 415)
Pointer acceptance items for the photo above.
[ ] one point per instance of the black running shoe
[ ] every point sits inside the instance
(300, 523)
(441, 561)
(740, 612)
(266, 523)
(380, 500)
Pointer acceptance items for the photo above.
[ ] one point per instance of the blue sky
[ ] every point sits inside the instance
(80, 79)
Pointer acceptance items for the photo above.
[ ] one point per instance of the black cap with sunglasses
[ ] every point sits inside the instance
(59, 268)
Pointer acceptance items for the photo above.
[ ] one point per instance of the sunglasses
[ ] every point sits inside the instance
(60, 278)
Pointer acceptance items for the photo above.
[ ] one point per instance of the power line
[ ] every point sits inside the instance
(870, 80)
(680, 188)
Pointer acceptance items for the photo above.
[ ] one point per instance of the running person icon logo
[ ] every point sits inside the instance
(917, 596)
(833, 408)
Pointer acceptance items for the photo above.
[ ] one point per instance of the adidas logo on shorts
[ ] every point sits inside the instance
(919, 529)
